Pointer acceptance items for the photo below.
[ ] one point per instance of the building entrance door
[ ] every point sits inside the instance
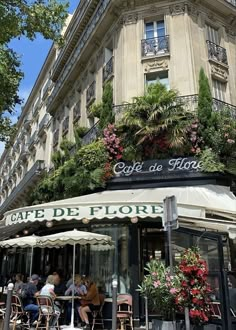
(213, 249)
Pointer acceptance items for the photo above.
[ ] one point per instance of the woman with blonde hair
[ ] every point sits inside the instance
(48, 290)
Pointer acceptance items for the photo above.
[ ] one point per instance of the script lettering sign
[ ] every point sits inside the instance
(158, 167)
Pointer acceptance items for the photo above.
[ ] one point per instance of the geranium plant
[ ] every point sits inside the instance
(160, 288)
(112, 143)
(187, 288)
(194, 291)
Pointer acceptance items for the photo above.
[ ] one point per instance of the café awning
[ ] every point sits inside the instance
(194, 202)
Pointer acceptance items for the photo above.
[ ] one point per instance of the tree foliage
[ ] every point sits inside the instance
(106, 112)
(23, 18)
(155, 123)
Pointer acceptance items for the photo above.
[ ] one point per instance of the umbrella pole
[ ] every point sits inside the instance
(73, 289)
(31, 260)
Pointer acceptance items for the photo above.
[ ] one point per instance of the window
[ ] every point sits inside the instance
(156, 41)
(154, 29)
(161, 77)
(213, 35)
(219, 89)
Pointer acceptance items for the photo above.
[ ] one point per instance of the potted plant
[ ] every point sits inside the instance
(194, 291)
(161, 289)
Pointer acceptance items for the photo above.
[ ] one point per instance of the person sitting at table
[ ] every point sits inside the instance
(90, 302)
(18, 283)
(28, 292)
(48, 290)
(79, 290)
(60, 287)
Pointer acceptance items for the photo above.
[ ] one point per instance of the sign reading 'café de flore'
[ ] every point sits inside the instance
(159, 167)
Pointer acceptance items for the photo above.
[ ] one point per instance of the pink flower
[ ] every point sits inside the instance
(156, 284)
(173, 290)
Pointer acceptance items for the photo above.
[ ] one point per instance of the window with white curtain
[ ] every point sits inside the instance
(219, 89)
(213, 34)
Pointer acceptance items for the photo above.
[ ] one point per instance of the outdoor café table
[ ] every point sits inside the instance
(119, 300)
(66, 298)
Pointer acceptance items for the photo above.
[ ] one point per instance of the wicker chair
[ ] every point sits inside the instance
(97, 314)
(18, 314)
(125, 311)
(47, 313)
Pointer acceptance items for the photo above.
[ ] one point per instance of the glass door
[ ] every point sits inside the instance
(212, 250)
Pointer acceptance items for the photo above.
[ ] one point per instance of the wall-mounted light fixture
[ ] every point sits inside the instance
(85, 221)
(49, 224)
(134, 219)
(25, 232)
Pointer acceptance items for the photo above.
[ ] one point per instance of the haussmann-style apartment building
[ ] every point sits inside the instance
(130, 43)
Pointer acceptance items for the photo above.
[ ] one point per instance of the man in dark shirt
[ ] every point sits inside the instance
(28, 297)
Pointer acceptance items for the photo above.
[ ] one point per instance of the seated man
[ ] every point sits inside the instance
(28, 297)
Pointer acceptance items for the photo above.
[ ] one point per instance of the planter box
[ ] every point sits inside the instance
(162, 325)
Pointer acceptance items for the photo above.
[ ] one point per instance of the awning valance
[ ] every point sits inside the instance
(195, 201)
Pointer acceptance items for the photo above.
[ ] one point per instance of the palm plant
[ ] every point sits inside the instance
(156, 121)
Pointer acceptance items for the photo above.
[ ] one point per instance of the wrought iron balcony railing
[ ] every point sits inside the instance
(33, 139)
(81, 43)
(43, 124)
(90, 94)
(108, 70)
(77, 112)
(24, 151)
(155, 46)
(56, 138)
(216, 52)
(91, 135)
(29, 178)
(65, 125)
(190, 102)
(232, 2)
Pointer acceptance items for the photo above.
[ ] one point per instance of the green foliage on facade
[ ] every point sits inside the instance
(217, 131)
(106, 111)
(23, 18)
(155, 125)
(73, 175)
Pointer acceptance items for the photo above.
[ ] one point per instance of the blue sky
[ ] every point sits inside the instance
(33, 55)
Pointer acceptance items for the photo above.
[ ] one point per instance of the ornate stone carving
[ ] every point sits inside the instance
(156, 65)
(230, 31)
(192, 10)
(130, 19)
(219, 72)
(178, 9)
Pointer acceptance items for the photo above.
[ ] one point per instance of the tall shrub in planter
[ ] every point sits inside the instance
(160, 288)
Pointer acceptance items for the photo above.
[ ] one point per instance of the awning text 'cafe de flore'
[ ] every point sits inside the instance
(130, 210)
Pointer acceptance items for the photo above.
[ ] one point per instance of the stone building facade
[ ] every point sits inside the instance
(130, 43)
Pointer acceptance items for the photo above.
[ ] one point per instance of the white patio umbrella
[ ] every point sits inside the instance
(74, 237)
(23, 242)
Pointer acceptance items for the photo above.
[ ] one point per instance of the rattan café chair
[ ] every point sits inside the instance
(47, 313)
